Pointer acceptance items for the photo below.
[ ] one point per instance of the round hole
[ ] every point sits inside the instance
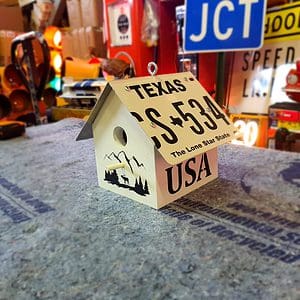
(120, 135)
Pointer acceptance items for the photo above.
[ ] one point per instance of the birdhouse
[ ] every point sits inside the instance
(156, 137)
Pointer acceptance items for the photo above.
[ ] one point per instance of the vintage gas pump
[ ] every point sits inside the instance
(125, 18)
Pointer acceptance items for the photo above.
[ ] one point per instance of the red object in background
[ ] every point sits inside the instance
(20, 101)
(165, 54)
(288, 115)
(207, 71)
(292, 88)
(94, 60)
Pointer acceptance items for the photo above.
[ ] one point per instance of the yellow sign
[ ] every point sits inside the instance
(176, 112)
(293, 126)
(283, 24)
(258, 77)
(252, 129)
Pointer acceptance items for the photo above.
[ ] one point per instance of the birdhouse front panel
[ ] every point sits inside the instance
(175, 181)
(124, 155)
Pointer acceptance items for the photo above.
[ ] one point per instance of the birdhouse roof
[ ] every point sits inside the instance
(173, 110)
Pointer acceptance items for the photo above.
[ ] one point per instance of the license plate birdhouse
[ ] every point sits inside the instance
(156, 137)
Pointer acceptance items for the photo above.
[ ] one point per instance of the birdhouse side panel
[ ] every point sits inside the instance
(124, 154)
(175, 181)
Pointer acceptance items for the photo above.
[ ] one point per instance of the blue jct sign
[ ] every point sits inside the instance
(223, 25)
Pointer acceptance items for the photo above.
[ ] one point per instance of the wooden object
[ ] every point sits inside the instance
(164, 129)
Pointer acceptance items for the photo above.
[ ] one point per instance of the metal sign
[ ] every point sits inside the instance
(223, 25)
(259, 77)
(176, 112)
(120, 23)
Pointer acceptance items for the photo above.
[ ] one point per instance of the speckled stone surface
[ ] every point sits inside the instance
(63, 237)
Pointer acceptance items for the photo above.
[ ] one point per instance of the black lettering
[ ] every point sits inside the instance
(165, 210)
(217, 113)
(12, 212)
(177, 153)
(279, 220)
(244, 88)
(184, 217)
(200, 223)
(179, 215)
(160, 89)
(270, 230)
(215, 211)
(173, 139)
(216, 228)
(246, 241)
(204, 166)
(226, 233)
(276, 24)
(185, 201)
(257, 246)
(266, 58)
(276, 253)
(39, 206)
(246, 57)
(211, 124)
(171, 181)
(204, 207)
(290, 258)
(264, 215)
(290, 55)
(239, 220)
(267, 25)
(197, 222)
(290, 237)
(277, 57)
(15, 190)
(136, 88)
(289, 22)
(291, 224)
(170, 87)
(25, 197)
(179, 85)
(235, 205)
(190, 172)
(137, 116)
(236, 237)
(149, 90)
(6, 184)
(188, 116)
(271, 247)
(252, 224)
(256, 58)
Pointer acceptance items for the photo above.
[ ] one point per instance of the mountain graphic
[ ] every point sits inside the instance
(122, 156)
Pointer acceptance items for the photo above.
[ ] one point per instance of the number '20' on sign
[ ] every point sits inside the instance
(198, 123)
(247, 132)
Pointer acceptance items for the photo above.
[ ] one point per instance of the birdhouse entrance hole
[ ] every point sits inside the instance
(120, 136)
